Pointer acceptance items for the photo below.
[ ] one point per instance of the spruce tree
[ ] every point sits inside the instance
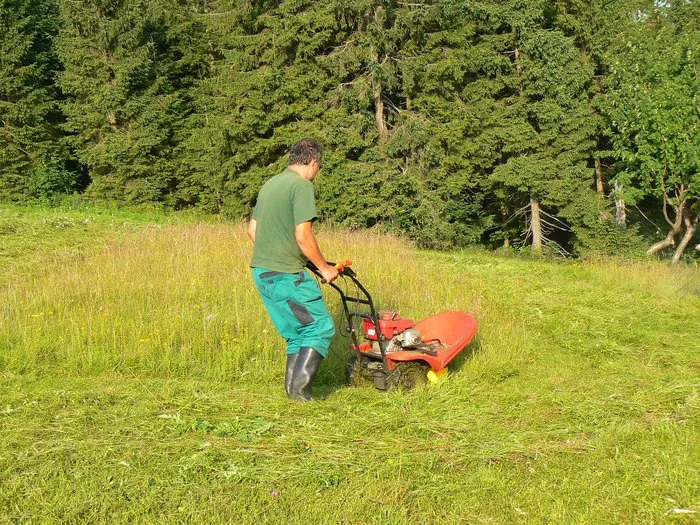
(543, 124)
(31, 152)
(128, 65)
(262, 92)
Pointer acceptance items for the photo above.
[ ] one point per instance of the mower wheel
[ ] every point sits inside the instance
(356, 374)
(406, 376)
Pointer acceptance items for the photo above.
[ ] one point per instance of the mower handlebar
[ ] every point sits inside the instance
(342, 267)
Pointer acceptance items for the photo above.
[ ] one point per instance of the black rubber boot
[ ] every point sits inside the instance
(305, 369)
(289, 373)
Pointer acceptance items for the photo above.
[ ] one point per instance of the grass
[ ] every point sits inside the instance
(141, 381)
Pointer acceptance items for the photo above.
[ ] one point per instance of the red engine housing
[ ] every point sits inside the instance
(390, 324)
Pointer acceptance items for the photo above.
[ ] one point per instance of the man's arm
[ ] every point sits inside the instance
(306, 240)
(251, 229)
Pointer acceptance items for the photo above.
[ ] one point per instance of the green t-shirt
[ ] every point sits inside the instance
(284, 201)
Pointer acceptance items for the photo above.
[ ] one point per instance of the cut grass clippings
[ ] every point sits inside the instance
(141, 381)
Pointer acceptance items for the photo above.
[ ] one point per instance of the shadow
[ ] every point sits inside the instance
(471, 349)
(333, 373)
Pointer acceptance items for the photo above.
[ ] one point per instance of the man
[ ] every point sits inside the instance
(283, 238)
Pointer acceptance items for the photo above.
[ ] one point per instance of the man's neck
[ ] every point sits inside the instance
(303, 170)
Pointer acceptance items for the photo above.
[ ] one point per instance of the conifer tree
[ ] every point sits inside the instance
(383, 134)
(29, 117)
(545, 129)
(456, 122)
(263, 91)
(127, 67)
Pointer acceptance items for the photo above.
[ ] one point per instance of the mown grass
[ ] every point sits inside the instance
(140, 380)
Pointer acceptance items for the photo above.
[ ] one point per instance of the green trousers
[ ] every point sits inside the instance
(295, 304)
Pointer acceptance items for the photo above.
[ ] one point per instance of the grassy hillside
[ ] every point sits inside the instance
(140, 380)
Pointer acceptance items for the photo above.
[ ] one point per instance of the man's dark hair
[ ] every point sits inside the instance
(304, 151)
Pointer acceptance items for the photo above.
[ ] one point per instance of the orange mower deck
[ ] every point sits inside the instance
(390, 342)
(454, 330)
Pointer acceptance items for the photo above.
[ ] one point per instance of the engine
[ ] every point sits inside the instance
(401, 333)
(405, 340)
(390, 325)
(410, 337)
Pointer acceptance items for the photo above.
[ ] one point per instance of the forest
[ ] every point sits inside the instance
(556, 126)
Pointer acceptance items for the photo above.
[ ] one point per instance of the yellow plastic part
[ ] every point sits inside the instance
(437, 377)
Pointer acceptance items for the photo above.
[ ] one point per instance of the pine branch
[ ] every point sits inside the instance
(564, 227)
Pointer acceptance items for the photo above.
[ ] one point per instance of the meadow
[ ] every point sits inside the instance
(141, 381)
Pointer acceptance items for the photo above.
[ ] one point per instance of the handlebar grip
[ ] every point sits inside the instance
(340, 267)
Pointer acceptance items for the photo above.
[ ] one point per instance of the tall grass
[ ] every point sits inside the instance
(172, 300)
(141, 380)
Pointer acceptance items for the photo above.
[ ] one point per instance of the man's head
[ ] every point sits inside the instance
(305, 158)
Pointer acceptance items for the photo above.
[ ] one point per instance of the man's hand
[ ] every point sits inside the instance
(329, 273)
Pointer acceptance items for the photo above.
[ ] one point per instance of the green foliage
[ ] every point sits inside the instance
(653, 128)
(51, 179)
(654, 90)
(29, 115)
(606, 238)
(441, 119)
(127, 70)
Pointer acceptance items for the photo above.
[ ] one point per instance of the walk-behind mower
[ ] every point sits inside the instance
(395, 351)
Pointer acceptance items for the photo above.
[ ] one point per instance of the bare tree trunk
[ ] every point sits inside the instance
(690, 228)
(379, 110)
(598, 176)
(112, 119)
(670, 239)
(212, 56)
(504, 219)
(676, 224)
(620, 208)
(379, 19)
(536, 223)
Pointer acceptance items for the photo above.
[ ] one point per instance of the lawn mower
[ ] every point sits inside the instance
(396, 352)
